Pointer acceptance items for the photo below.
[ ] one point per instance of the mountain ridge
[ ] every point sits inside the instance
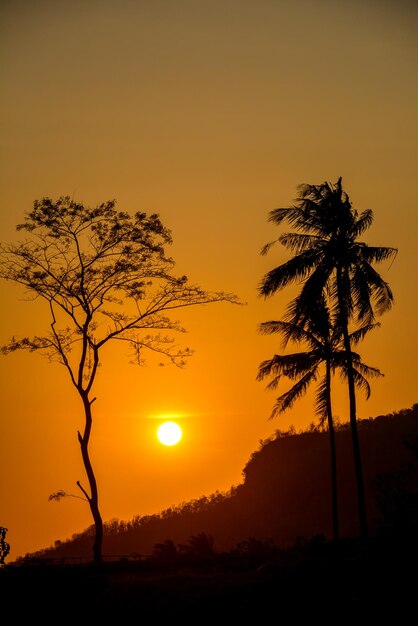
(285, 493)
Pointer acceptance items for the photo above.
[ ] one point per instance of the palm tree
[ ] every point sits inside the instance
(324, 348)
(330, 259)
(165, 551)
(200, 545)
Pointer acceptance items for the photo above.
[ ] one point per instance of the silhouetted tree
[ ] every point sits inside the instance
(4, 546)
(329, 258)
(104, 276)
(396, 494)
(165, 551)
(257, 548)
(325, 348)
(200, 546)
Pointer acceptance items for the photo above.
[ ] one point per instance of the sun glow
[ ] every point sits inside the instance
(169, 433)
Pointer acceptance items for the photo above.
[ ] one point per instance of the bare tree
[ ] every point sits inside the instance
(104, 276)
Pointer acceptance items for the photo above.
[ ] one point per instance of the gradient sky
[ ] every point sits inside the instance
(209, 113)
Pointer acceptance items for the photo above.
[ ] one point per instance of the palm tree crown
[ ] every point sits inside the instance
(324, 346)
(325, 247)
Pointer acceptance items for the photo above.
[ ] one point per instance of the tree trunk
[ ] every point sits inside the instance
(358, 466)
(361, 499)
(331, 431)
(93, 499)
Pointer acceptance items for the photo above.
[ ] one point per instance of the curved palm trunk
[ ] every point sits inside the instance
(331, 431)
(92, 499)
(358, 466)
(361, 499)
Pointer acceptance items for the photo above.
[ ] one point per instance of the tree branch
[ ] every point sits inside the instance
(83, 490)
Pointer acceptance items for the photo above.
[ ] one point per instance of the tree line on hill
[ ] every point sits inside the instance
(284, 495)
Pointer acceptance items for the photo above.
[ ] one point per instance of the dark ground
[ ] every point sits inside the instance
(313, 580)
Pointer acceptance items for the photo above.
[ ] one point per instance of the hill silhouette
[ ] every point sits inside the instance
(285, 494)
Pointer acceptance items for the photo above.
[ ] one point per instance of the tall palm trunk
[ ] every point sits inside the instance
(93, 498)
(361, 499)
(331, 431)
(358, 466)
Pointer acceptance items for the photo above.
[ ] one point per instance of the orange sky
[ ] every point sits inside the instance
(209, 113)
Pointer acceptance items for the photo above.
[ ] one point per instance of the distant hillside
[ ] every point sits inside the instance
(285, 493)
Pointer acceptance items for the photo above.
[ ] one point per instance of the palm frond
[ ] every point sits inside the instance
(362, 223)
(299, 242)
(303, 363)
(367, 370)
(321, 401)
(290, 332)
(305, 215)
(300, 309)
(344, 298)
(290, 365)
(361, 294)
(381, 292)
(359, 334)
(316, 218)
(338, 359)
(361, 382)
(265, 249)
(271, 327)
(274, 383)
(292, 214)
(319, 321)
(286, 400)
(293, 270)
(377, 254)
(361, 372)
(267, 368)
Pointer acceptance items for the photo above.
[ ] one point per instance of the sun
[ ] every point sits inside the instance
(169, 433)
